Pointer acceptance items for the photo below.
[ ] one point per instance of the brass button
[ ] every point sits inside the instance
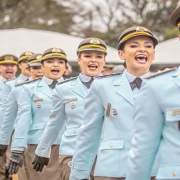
(73, 106)
(74, 132)
(174, 174)
(111, 146)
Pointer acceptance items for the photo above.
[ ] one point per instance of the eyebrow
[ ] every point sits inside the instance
(137, 42)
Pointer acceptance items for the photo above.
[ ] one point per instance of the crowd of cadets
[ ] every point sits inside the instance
(93, 126)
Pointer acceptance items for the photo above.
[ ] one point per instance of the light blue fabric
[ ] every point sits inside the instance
(157, 113)
(8, 86)
(68, 107)
(33, 114)
(117, 125)
(10, 115)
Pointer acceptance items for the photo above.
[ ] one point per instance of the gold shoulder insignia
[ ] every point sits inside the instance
(161, 72)
(26, 82)
(67, 80)
(109, 75)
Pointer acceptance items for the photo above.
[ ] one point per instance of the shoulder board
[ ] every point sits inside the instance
(9, 80)
(67, 80)
(26, 82)
(109, 75)
(161, 72)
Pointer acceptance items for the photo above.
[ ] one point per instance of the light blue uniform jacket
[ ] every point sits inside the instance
(109, 105)
(33, 114)
(68, 108)
(10, 115)
(1, 88)
(157, 113)
(8, 86)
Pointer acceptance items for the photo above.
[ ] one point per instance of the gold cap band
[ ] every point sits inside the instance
(55, 55)
(34, 61)
(92, 46)
(8, 62)
(134, 34)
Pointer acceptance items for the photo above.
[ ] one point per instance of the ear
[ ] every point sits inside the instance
(121, 54)
(79, 60)
(154, 54)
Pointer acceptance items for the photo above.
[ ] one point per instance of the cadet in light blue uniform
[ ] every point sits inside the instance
(33, 112)
(34, 63)
(68, 105)
(8, 69)
(109, 108)
(9, 85)
(157, 125)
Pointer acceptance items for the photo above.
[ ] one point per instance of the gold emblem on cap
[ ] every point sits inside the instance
(141, 29)
(39, 57)
(9, 58)
(94, 41)
(56, 50)
(28, 53)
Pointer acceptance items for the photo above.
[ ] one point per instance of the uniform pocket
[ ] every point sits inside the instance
(35, 126)
(71, 132)
(173, 114)
(110, 152)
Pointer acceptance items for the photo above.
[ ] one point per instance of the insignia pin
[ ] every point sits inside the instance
(115, 112)
(73, 106)
(38, 105)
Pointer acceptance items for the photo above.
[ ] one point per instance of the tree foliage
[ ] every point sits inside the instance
(105, 19)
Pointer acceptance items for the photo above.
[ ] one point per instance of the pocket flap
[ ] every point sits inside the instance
(173, 115)
(71, 132)
(112, 145)
(35, 126)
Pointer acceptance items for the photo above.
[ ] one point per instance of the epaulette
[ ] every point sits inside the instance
(67, 80)
(26, 82)
(161, 72)
(9, 80)
(108, 75)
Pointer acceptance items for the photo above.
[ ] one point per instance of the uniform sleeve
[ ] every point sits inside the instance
(24, 119)
(89, 136)
(148, 124)
(9, 119)
(3, 102)
(54, 125)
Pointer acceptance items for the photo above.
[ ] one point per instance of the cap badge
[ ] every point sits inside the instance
(39, 57)
(56, 50)
(141, 29)
(9, 58)
(94, 41)
(28, 53)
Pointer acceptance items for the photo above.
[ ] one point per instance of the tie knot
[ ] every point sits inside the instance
(88, 84)
(53, 84)
(136, 83)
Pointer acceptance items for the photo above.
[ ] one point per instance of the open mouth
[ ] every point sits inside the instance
(55, 71)
(9, 72)
(92, 67)
(141, 58)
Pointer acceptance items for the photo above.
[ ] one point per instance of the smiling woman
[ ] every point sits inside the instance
(35, 105)
(68, 106)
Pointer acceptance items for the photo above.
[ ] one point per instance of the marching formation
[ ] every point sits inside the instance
(90, 127)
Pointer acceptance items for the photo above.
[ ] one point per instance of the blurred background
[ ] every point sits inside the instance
(36, 25)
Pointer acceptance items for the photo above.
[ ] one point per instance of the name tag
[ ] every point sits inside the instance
(108, 109)
(71, 100)
(174, 112)
(38, 100)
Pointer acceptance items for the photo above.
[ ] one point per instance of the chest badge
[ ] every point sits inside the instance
(115, 112)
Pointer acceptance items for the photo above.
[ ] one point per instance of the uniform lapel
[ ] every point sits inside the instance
(44, 88)
(176, 76)
(78, 88)
(124, 89)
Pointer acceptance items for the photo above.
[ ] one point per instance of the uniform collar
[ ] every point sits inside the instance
(131, 77)
(3, 79)
(24, 78)
(84, 78)
(49, 81)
